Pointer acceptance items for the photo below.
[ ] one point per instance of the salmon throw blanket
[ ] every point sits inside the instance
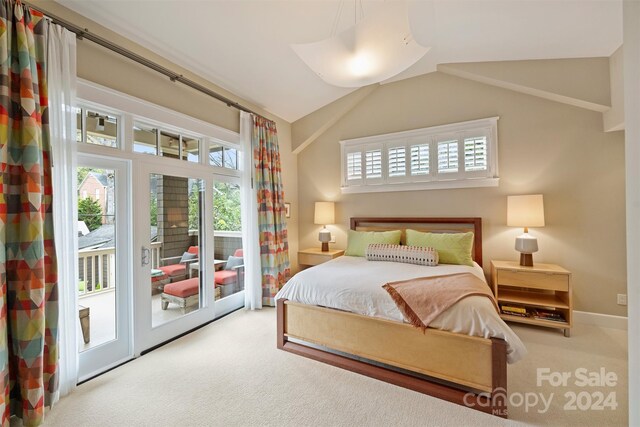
(423, 299)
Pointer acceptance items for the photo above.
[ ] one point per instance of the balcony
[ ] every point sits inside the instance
(97, 288)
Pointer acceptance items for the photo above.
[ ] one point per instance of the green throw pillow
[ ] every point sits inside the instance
(453, 248)
(357, 241)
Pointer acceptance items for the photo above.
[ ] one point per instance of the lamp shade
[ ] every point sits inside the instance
(324, 213)
(525, 211)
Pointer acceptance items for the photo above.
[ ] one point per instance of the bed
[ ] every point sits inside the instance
(339, 314)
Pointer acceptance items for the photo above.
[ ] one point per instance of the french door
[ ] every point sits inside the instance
(104, 276)
(172, 252)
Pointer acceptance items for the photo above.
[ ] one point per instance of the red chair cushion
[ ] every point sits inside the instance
(173, 269)
(225, 277)
(183, 288)
(238, 253)
(159, 278)
(193, 250)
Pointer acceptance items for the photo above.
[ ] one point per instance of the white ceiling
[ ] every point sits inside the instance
(244, 46)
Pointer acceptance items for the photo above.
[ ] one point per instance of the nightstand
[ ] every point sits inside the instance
(315, 256)
(543, 291)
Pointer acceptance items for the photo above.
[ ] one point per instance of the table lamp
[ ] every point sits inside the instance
(324, 214)
(525, 211)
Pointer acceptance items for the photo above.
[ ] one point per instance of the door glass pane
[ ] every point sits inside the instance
(175, 213)
(97, 247)
(229, 263)
(145, 139)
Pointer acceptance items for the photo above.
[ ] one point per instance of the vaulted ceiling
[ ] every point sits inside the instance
(244, 46)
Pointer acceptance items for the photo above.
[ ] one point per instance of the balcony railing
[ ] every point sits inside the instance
(96, 268)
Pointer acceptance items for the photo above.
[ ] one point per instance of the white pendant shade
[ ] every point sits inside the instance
(379, 47)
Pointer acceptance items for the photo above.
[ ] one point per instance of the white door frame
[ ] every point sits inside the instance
(103, 357)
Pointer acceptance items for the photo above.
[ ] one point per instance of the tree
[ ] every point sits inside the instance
(194, 206)
(154, 210)
(90, 211)
(226, 207)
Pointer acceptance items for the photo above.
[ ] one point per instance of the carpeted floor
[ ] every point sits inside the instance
(230, 373)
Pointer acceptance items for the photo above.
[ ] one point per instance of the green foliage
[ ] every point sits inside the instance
(154, 210)
(90, 211)
(194, 205)
(81, 286)
(226, 207)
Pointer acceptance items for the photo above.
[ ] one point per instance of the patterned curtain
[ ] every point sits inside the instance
(272, 224)
(28, 277)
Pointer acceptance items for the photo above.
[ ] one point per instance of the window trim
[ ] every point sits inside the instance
(487, 127)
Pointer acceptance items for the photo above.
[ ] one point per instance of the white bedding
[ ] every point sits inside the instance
(355, 284)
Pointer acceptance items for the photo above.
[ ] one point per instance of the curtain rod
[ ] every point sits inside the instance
(83, 33)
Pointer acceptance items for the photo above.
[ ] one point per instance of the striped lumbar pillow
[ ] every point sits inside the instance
(400, 253)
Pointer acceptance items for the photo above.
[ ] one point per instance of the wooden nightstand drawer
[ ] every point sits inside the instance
(311, 259)
(534, 280)
(314, 256)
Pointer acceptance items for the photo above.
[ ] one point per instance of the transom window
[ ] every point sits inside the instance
(97, 127)
(449, 156)
(223, 156)
(149, 139)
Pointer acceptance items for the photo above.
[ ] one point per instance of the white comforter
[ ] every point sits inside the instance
(355, 284)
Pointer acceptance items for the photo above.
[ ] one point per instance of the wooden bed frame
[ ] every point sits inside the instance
(462, 369)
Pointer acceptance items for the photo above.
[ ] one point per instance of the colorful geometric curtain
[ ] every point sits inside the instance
(272, 224)
(28, 279)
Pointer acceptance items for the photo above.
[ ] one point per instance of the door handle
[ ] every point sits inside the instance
(145, 256)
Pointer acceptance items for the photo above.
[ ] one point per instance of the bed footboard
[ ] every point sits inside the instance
(459, 360)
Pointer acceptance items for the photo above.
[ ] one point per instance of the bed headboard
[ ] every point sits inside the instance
(434, 225)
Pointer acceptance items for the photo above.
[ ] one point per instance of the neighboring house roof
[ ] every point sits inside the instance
(103, 237)
(102, 178)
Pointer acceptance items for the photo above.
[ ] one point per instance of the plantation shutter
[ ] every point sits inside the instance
(397, 159)
(354, 165)
(373, 164)
(420, 159)
(475, 154)
(448, 156)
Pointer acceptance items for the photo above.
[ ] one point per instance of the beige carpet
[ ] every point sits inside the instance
(230, 373)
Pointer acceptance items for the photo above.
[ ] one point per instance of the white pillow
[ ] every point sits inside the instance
(400, 253)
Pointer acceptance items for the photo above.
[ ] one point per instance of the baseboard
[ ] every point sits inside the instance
(604, 320)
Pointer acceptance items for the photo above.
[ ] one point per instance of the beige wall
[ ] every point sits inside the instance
(101, 66)
(614, 118)
(544, 147)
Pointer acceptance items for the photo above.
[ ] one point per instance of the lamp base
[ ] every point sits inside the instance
(526, 260)
(325, 246)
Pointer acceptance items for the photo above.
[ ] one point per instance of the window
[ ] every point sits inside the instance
(175, 145)
(449, 156)
(397, 162)
(420, 159)
(373, 164)
(354, 165)
(475, 154)
(97, 194)
(223, 156)
(96, 127)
